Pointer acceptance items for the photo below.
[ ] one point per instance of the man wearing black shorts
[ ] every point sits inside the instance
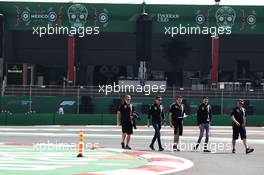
(177, 113)
(238, 117)
(157, 116)
(124, 116)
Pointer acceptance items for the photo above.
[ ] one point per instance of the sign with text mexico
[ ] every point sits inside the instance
(122, 17)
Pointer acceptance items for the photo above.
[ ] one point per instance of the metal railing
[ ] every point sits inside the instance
(15, 90)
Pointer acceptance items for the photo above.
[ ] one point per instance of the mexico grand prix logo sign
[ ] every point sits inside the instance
(77, 15)
(74, 15)
(27, 16)
(101, 17)
(226, 17)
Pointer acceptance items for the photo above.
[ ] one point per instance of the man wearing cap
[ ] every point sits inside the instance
(238, 117)
(125, 116)
(204, 118)
(157, 116)
(177, 113)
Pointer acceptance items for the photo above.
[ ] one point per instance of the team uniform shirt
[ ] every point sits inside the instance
(204, 114)
(239, 114)
(126, 110)
(178, 112)
(156, 113)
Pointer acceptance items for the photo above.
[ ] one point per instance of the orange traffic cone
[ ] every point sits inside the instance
(81, 145)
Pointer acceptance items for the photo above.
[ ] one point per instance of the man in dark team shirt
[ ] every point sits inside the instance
(157, 116)
(124, 117)
(177, 113)
(238, 117)
(204, 118)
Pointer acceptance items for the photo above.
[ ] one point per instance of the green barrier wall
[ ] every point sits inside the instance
(102, 105)
(46, 108)
(20, 104)
(105, 119)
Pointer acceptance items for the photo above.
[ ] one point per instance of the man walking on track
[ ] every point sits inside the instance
(125, 116)
(238, 117)
(157, 116)
(204, 118)
(177, 113)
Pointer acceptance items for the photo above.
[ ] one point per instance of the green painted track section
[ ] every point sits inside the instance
(31, 160)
